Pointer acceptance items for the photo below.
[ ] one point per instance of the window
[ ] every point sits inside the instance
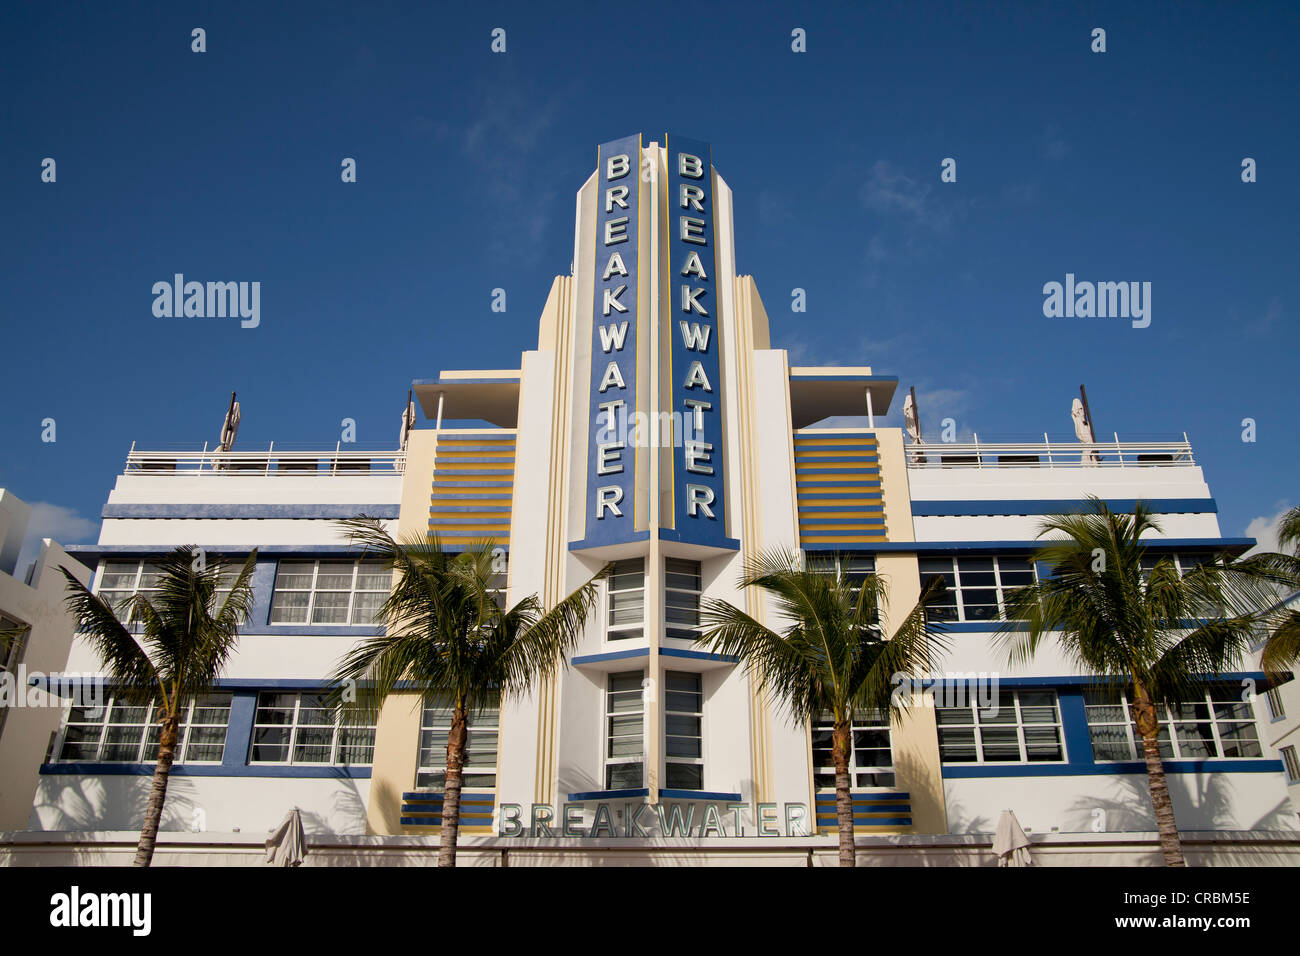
(480, 768)
(1292, 764)
(329, 592)
(624, 732)
(1021, 727)
(1185, 562)
(301, 729)
(978, 588)
(1275, 706)
(871, 762)
(129, 733)
(119, 580)
(683, 734)
(626, 590)
(855, 567)
(1217, 723)
(682, 586)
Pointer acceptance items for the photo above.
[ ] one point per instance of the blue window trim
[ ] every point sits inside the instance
(963, 507)
(237, 755)
(1077, 741)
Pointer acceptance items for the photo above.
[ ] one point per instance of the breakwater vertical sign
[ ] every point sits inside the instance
(696, 386)
(611, 475)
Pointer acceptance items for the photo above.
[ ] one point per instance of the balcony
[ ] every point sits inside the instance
(351, 462)
(1051, 454)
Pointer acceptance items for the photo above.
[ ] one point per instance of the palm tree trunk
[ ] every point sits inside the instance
(451, 787)
(1149, 728)
(840, 743)
(158, 793)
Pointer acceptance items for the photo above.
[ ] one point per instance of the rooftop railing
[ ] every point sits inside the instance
(1051, 454)
(322, 463)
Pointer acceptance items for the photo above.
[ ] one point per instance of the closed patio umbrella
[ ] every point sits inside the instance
(287, 844)
(1010, 845)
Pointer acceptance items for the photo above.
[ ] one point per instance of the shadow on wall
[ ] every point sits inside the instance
(89, 803)
(117, 802)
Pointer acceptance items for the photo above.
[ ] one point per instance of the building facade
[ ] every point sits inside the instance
(655, 428)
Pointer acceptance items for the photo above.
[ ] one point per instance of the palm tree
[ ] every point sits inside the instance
(1282, 648)
(446, 633)
(184, 643)
(1148, 629)
(832, 657)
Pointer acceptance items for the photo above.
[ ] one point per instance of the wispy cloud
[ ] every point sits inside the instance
(1054, 146)
(1264, 529)
(63, 525)
(895, 194)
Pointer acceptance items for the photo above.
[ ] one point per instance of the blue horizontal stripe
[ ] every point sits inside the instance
(609, 794)
(611, 656)
(1233, 545)
(256, 511)
(94, 551)
(203, 770)
(505, 380)
(712, 796)
(875, 797)
(1045, 506)
(697, 655)
(1217, 765)
(867, 821)
(883, 379)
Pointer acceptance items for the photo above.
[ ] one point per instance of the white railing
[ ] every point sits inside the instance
(323, 463)
(1051, 454)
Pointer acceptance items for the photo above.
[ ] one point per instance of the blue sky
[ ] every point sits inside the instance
(1122, 166)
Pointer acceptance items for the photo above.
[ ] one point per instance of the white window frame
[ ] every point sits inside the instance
(1000, 590)
(296, 725)
(1175, 745)
(1290, 762)
(670, 761)
(313, 590)
(695, 594)
(1019, 726)
(1276, 709)
(874, 721)
(614, 633)
(150, 723)
(607, 736)
(482, 727)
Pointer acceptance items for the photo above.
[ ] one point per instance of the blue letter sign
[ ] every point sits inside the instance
(611, 475)
(692, 309)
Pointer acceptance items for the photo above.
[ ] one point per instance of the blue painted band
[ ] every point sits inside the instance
(588, 543)
(1221, 765)
(278, 550)
(724, 544)
(610, 656)
(711, 796)
(1230, 545)
(1046, 506)
(608, 794)
(1086, 680)
(698, 655)
(255, 511)
(513, 378)
(204, 770)
(794, 377)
